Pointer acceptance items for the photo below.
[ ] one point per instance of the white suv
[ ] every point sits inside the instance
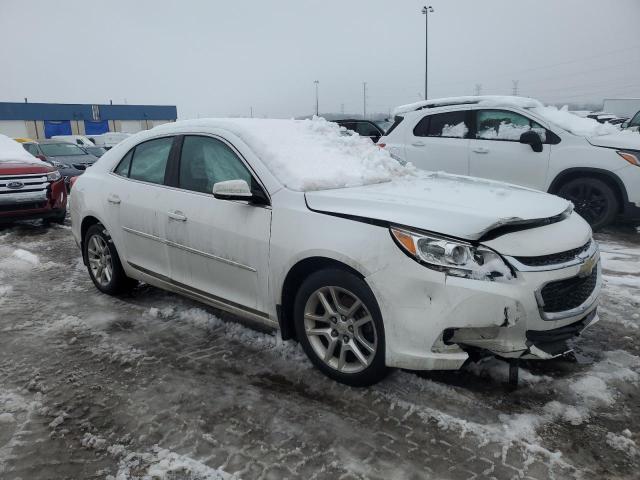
(368, 263)
(519, 140)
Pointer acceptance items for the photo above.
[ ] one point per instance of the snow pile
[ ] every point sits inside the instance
(585, 127)
(162, 464)
(505, 131)
(11, 151)
(623, 442)
(455, 131)
(26, 256)
(309, 154)
(485, 100)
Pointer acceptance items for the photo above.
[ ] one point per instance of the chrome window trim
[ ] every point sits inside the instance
(188, 249)
(585, 306)
(244, 161)
(577, 260)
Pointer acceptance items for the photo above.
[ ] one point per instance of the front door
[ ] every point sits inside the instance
(496, 152)
(217, 247)
(439, 142)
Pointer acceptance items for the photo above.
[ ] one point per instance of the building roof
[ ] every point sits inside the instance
(76, 111)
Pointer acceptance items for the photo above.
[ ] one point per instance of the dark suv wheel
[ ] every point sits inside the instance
(339, 324)
(103, 262)
(593, 199)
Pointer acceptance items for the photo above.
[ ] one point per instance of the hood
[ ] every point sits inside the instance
(452, 205)
(71, 159)
(624, 139)
(25, 167)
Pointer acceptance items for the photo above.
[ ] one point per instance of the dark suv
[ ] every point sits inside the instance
(68, 158)
(364, 128)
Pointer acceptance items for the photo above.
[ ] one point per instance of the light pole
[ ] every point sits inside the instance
(426, 11)
(316, 82)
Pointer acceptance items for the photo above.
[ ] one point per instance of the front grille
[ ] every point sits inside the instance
(554, 258)
(22, 206)
(567, 294)
(23, 188)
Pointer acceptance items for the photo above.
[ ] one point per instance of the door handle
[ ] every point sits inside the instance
(114, 199)
(481, 150)
(178, 216)
(418, 144)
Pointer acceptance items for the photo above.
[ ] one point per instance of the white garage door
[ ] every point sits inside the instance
(14, 128)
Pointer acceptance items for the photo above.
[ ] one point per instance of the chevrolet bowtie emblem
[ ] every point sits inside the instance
(587, 267)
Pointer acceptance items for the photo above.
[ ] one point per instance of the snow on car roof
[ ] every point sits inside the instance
(307, 155)
(10, 151)
(561, 117)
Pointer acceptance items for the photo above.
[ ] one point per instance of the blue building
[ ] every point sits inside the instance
(44, 120)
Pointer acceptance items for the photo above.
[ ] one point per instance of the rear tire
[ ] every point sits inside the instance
(593, 199)
(339, 325)
(103, 262)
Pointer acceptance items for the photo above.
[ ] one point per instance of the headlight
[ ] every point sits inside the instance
(630, 156)
(53, 176)
(454, 257)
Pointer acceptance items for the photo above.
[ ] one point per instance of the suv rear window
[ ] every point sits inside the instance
(397, 120)
(445, 125)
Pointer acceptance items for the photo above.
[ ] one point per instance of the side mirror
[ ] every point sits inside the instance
(232, 190)
(533, 139)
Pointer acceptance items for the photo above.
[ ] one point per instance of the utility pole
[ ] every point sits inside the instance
(426, 11)
(364, 100)
(316, 82)
(342, 108)
(478, 88)
(251, 108)
(515, 87)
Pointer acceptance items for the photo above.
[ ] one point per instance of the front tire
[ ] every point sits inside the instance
(594, 200)
(339, 325)
(103, 262)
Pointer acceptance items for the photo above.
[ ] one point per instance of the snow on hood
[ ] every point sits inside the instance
(581, 126)
(463, 207)
(620, 139)
(12, 151)
(309, 155)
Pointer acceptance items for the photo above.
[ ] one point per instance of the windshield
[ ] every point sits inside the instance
(97, 151)
(61, 149)
(635, 121)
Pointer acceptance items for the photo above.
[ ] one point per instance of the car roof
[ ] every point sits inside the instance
(486, 100)
(48, 140)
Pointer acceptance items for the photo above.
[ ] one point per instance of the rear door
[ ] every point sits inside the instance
(439, 141)
(217, 248)
(496, 151)
(136, 201)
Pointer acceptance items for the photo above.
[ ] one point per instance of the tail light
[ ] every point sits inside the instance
(381, 145)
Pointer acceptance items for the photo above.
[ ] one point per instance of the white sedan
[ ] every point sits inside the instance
(368, 263)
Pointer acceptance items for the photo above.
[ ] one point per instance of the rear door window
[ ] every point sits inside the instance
(444, 125)
(149, 161)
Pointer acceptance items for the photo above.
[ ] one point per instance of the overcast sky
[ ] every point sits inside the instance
(216, 58)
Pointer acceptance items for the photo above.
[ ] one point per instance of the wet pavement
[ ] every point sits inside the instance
(152, 385)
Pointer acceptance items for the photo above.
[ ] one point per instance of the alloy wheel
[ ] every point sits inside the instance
(100, 261)
(340, 329)
(589, 202)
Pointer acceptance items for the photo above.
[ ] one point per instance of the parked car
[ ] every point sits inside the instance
(109, 140)
(77, 139)
(95, 151)
(369, 264)
(518, 140)
(68, 158)
(23, 139)
(29, 187)
(633, 124)
(602, 117)
(364, 128)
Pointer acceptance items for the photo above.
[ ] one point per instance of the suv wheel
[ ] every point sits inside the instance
(103, 262)
(593, 199)
(339, 325)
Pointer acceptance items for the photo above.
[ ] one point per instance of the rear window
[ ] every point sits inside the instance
(397, 120)
(445, 125)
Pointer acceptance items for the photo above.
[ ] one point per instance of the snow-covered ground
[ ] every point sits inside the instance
(156, 386)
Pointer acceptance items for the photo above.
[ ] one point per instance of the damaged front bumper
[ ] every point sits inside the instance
(433, 324)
